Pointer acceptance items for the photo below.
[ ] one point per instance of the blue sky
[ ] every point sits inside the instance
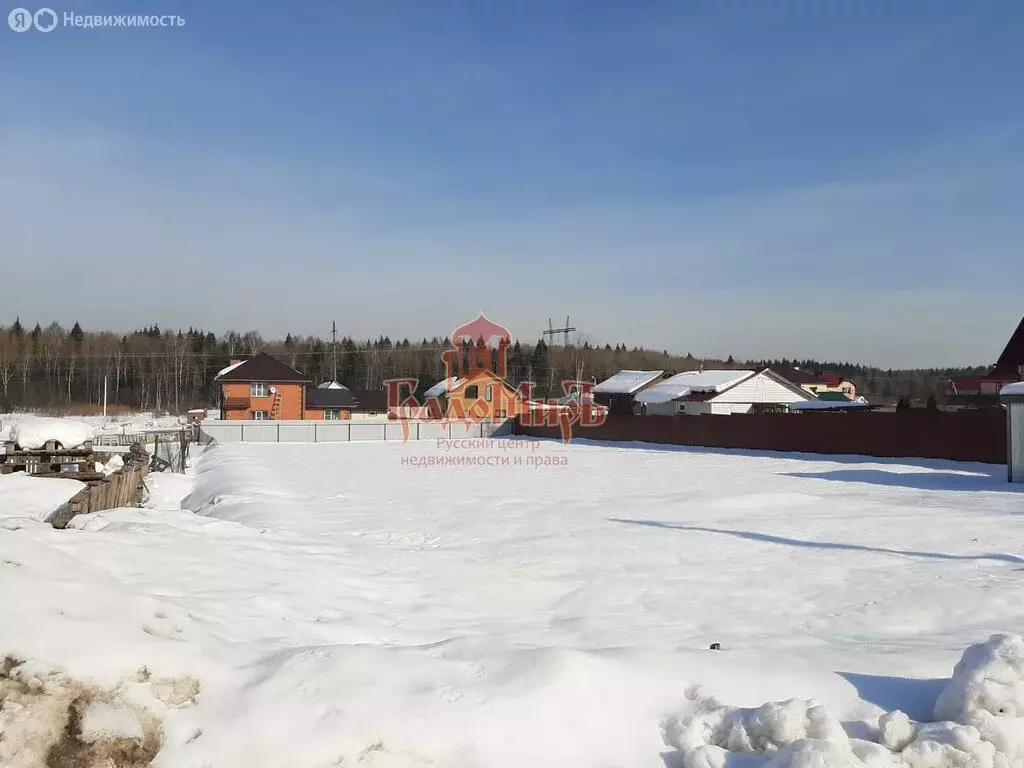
(837, 180)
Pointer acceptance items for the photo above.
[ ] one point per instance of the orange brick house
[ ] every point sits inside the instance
(483, 396)
(475, 388)
(330, 401)
(261, 388)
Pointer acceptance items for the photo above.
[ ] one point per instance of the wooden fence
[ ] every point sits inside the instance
(121, 489)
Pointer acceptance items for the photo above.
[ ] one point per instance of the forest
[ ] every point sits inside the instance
(154, 369)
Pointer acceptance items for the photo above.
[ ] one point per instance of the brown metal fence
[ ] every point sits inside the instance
(969, 435)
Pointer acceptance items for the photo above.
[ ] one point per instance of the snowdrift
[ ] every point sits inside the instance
(33, 433)
(979, 724)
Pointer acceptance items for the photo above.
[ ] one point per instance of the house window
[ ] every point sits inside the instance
(487, 394)
(472, 392)
(259, 389)
(260, 415)
(332, 414)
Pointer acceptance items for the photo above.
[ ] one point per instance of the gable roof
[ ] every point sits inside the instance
(475, 378)
(836, 397)
(370, 399)
(262, 367)
(330, 397)
(1013, 354)
(688, 382)
(831, 405)
(627, 382)
(795, 375)
(442, 387)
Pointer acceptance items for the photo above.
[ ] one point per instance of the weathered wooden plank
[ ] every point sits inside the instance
(123, 488)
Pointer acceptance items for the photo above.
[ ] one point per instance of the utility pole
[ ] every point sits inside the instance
(551, 331)
(104, 397)
(334, 349)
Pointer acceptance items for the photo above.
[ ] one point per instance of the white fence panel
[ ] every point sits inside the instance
(260, 433)
(222, 432)
(396, 432)
(364, 432)
(345, 431)
(332, 432)
(432, 431)
(297, 433)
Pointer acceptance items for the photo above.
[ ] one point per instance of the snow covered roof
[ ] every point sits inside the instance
(331, 385)
(443, 386)
(261, 367)
(33, 433)
(627, 382)
(1013, 389)
(229, 369)
(683, 384)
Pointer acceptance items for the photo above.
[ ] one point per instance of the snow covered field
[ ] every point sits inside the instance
(334, 605)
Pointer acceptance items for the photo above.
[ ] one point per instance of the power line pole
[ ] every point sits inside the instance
(551, 331)
(334, 349)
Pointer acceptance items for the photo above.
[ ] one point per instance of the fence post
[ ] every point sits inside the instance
(385, 431)
(350, 431)
(417, 431)
(241, 433)
(279, 432)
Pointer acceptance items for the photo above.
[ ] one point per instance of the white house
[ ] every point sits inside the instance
(721, 392)
(618, 392)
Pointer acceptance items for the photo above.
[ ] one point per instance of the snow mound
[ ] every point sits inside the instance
(707, 734)
(113, 464)
(987, 692)
(32, 434)
(980, 724)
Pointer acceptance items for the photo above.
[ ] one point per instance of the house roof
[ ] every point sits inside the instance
(262, 367)
(1015, 390)
(688, 382)
(836, 397)
(627, 382)
(476, 378)
(830, 405)
(795, 375)
(442, 387)
(324, 397)
(371, 399)
(1012, 357)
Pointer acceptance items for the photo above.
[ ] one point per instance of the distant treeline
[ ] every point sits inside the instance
(155, 369)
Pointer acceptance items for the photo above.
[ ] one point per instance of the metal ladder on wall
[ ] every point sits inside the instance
(275, 409)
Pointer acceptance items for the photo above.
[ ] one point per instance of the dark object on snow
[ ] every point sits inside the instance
(716, 647)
